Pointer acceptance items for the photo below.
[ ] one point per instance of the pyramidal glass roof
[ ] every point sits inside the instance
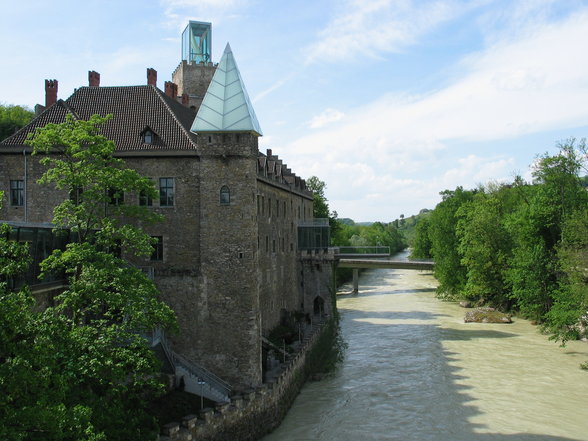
(226, 106)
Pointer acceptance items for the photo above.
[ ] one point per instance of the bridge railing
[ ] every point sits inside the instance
(375, 250)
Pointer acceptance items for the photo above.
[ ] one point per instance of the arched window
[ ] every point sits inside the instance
(225, 195)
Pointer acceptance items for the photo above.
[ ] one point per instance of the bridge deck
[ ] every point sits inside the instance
(378, 263)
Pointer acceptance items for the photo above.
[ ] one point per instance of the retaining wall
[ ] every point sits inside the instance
(255, 413)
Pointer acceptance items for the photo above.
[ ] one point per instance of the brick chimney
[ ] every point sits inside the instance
(171, 89)
(185, 99)
(268, 152)
(50, 92)
(151, 77)
(93, 78)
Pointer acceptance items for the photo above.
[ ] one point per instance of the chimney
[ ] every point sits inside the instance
(185, 99)
(50, 92)
(151, 77)
(269, 152)
(171, 89)
(93, 78)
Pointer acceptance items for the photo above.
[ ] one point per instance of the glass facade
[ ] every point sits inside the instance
(314, 235)
(197, 42)
(41, 243)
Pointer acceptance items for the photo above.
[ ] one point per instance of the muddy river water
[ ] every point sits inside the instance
(413, 370)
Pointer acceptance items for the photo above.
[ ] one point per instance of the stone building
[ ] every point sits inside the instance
(228, 259)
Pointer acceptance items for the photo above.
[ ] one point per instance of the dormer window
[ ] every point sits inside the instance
(148, 136)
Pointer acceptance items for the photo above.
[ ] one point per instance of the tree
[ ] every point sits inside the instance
(13, 118)
(97, 324)
(421, 246)
(449, 270)
(537, 228)
(320, 204)
(568, 317)
(486, 245)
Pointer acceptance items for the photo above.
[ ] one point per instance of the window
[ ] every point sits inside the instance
(148, 137)
(157, 254)
(17, 193)
(75, 195)
(145, 200)
(225, 195)
(115, 197)
(166, 192)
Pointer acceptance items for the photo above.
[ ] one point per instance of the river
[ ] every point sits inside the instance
(414, 371)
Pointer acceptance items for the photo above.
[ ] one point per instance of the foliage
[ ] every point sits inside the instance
(421, 241)
(13, 118)
(320, 204)
(519, 246)
(449, 269)
(82, 369)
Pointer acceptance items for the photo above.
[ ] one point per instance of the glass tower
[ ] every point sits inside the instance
(197, 42)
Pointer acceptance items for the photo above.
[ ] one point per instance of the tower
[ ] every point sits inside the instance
(228, 130)
(196, 69)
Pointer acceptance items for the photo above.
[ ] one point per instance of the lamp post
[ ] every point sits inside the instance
(201, 382)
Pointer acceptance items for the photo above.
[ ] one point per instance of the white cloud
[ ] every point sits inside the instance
(367, 28)
(326, 117)
(533, 84)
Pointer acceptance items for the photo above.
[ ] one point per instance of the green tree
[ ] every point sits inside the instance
(421, 246)
(568, 317)
(13, 118)
(320, 204)
(108, 305)
(449, 270)
(32, 385)
(486, 246)
(536, 227)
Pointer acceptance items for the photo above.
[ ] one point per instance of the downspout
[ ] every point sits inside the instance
(26, 211)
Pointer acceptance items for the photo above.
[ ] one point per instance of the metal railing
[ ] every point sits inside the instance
(198, 373)
(384, 251)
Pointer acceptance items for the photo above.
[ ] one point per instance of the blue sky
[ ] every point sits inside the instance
(387, 101)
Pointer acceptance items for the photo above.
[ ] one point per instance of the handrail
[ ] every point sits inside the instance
(195, 370)
(384, 250)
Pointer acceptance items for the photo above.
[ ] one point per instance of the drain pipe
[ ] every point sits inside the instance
(26, 199)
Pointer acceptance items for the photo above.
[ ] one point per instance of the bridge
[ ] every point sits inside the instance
(374, 257)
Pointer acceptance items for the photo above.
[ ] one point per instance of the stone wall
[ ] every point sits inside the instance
(317, 270)
(258, 411)
(193, 79)
(228, 240)
(39, 200)
(278, 271)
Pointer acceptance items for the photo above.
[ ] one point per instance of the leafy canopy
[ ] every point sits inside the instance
(82, 369)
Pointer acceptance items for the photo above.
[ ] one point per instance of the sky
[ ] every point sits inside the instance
(389, 102)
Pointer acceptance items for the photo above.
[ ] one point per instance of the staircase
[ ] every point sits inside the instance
(197, 380)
